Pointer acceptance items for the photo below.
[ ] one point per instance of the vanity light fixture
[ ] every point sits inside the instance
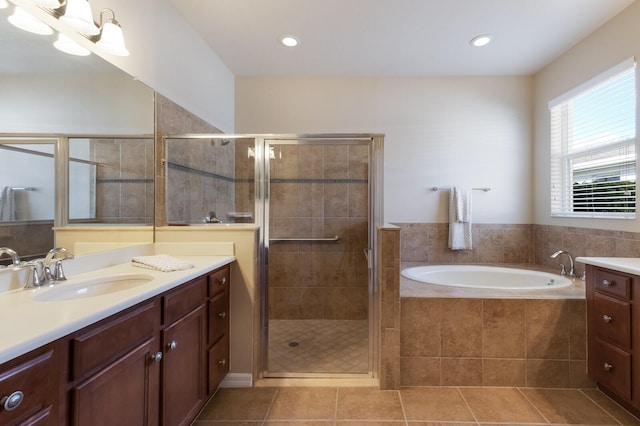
(67, 45)
(481, 40)
(111, 39)
(3, 4)
(26, 21)
(289, 41)
(78, 16)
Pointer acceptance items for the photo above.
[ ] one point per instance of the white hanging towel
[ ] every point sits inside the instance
(7, 204)
(460, 219)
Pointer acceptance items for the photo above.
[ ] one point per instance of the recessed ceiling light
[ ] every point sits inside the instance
(289, 41)
(481, 40)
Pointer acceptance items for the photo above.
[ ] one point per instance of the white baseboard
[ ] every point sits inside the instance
(237, 380)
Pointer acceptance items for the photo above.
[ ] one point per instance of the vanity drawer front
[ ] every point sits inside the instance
(612, 320)
(183, 300)
(218, 280)
(35, 378)
(612, 368)
(106, 342)
(218, 317)
(612, 283)
(218, 363)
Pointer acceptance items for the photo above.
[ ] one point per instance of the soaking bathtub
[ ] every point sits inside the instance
(486, 281)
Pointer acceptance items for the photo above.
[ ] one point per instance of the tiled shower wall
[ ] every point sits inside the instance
(124, 180)
(319, 192)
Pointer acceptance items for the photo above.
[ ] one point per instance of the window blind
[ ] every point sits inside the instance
(593, 147)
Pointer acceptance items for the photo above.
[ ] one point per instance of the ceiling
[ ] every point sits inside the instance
(394, 37)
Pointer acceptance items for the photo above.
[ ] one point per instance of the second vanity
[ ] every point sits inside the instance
(149, 353)
(613, 315)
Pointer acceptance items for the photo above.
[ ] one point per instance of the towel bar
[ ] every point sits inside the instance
(436, 188)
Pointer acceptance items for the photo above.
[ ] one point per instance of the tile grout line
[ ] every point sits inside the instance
(335, 410)
(404, 414)
(601, 407)
(533, 405)
(266, 415)
(467, 404)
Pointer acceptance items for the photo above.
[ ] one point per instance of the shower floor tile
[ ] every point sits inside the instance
(318, 346)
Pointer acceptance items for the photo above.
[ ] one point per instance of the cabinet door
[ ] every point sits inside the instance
(123, 393)
(183, 369)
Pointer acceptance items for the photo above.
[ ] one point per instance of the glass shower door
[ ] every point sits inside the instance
(317, 215)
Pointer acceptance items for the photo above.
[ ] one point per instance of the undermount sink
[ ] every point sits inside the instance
(93, 287)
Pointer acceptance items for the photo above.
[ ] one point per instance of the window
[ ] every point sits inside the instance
(593, 147)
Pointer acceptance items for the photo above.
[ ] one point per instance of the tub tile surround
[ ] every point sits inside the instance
(493, 342)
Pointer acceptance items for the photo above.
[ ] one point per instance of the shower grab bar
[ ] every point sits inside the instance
(335, 239)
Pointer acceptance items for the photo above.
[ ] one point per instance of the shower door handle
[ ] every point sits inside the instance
(367, 254)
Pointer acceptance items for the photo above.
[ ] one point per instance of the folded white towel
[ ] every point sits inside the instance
(460, 219)
(160, 262)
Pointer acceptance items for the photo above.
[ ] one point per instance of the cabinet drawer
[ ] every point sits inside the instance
(612, 320)
(218, 316)
(183, 300)
(218, 363)
(218, 280)
(612, 283)
(108, 341)
(36, 379)
(612, 368)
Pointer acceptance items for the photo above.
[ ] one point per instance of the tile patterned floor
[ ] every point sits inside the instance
(428, 406)
(323, 346)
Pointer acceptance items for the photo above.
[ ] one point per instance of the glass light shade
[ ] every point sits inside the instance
(51, 4)
(67, 45)
(79, 17)
(3, 4)
(112, 40)
(26, 21)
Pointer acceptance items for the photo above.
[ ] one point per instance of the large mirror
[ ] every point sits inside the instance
(85, 109)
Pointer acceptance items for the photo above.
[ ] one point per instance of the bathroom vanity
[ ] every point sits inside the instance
(613, 307)
(153, 362)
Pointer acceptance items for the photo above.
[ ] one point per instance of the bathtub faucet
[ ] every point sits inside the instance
(572, 270)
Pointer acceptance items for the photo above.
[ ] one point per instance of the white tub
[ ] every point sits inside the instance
(486, 277)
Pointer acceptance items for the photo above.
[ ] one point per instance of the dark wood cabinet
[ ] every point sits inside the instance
(183, 366)
(218, 324)
(122, 393)
(613, 342)
(29, 389)
(152, 364)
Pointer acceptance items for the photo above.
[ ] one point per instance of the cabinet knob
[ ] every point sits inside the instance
(222, 362)
(172, 345)
(607, 283)
(222, 315)
(608, 367)
(607, 318)
(222, 281)
(11, 402)
(157, 357)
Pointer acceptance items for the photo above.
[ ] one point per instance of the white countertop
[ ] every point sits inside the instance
(630, 265)
(28, 324)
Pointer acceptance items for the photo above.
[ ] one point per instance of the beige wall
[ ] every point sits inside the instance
(614, 42)
(439, 131)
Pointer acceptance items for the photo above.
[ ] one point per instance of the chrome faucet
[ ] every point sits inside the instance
(15, 259)
(563, 271)
(40, 272)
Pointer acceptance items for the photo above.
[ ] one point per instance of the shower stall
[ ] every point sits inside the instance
(317, 200)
